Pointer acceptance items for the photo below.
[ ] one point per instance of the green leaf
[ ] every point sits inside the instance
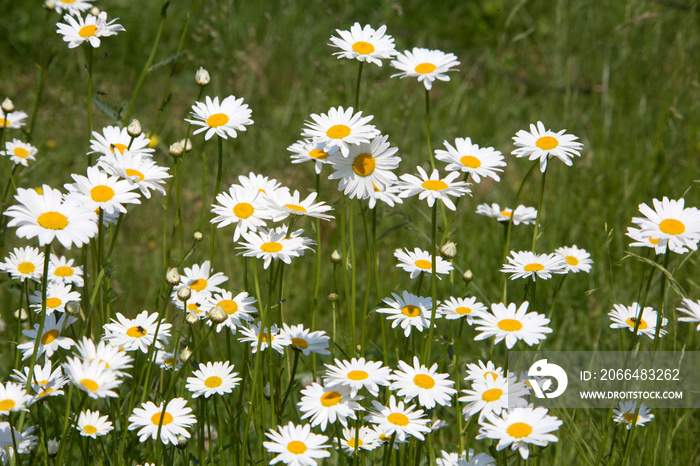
(165, 61)
(107, 110)
(669, 276)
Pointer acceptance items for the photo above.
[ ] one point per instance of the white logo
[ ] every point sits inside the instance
(542, 368)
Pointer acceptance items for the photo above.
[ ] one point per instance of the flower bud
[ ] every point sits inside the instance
(73, 308)
(50, 5)
(185, 355)
(176, 150)
(186, 143)
(94, 11)
(21, 314)
(134, 128)
(448, 250)
(52, 447)
(181, 442)
(202, 77)
(172, 276)
(7, 105)
(468, 276)
(197, 236)
(184, 293)
(333, 297)
(191, 318)
(217, 315)
(336, 257)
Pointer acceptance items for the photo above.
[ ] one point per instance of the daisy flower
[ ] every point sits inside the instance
(14, 120)
(428, 385)
(114, 359)
(24, 264)
(357, 374)
(692, 309)
(624, 413)
(273, 244)
(305, 340)
(92, 377)
(202, 282)
(90, 29)
(469, 158)
(512, 325)
(424, 64)
(483, 371)
(62, 270)
(20, 153)
(541, 143)
(519, 427)
(272, 338)
(48, 217)
(670, 220)
(524, 264)
(340, 128)
(136, 168)
(261, 184)
(326, 405)
(296, 445)
(366, 439)
(421, 261)
(364, 44)
(13, 398)
(522, 214)
(284, 203)
(455, 308)
(166, 360)
(493, 395)
(642, 240)
(399, 419)
(51, 338)
(72, 6)
(246, 208)
(433, 188)
(137, 333)
(366, 166)
(212, 378)
(172, 421)
(117, 141)
(409, 311)
(307, 150)
(11, 437)
(57, 296)
(629, 316)
(575, 260)
(239, 308)
(99, 190)
(46, 381)
(221, 119)
(471, 459)
(91, 424)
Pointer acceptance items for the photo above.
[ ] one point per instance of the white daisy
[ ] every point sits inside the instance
(136, 168)
(692, 309)
(483, 371)
(670, 220)
(542, 144)
(24, 264)
(455, 308)
(432, 187)
(238, 309)
(13, 120)
(364, 44)
(388, 195)
(137, 333)
(326, 405)
(409, 311)
(274, 244)
(522, 214)
(20, 153)
(62, 270)
(470, 459)
(57, 296)
(357, 374)
(428, 385)
(399, 420)
(72, 6)
(172, 421)
(366, 440)
(469, 158)
(272, 338)
(642, 240)
(92, 377)
(307, 150)
(421, 261)
(167, 360)
(340, 128)
(261, 184)
(90, 29)
(624, 413)
(512, 325)
(493, 395)
(91, 424)
(524, 264)
(221, 119)
(11, 437)
(117, 141)
(51, 339)
(46, 381)
(283, 204)
(424, 64)
(99, 190)
(575, 260)
(13, 398)
(202, 282)
(629, 317)
(305, 340)
(115, 359)
(296, 445)
(212, 378)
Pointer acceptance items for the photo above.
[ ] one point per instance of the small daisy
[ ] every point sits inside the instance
(305, 340)
(624, 413)
(221, 119)
(428, 385)
(692, 309)
(51, 338)
(471, 459)
(246, 208)
(456, 308)
(575, 260)
(261, 184)
(90, 29)
(92, 377)
(57, 296)
(541, 143)
(483, 371)
(168, 361)
(13, 398)
(72, 6)
(424, 64)
(91, 424)
(326, 405)
(11, 437)
(20, 153)
(46, 381)
(524, 264)
(117, 141)
(469, 158)
(212, 378)
(356, 374)
(512, 325)
(629, 316)
(670, 220)
(421, 261)
(172, 421)
(340, 128)
(202, 282)
(14, 120)
(296, 445)
(114, 359)
(364, 44)
(522, 214)
(399, 420)
(367, 165)
(642, 240)
(366, 440)
(239, 308)
(283, 204)
(24, 264)
(274, 244)
(137, 333)
(99, 190)
(520, 427)
(409, 311)
(62, 270)
(307, 150)
(493, 395)
(48, 217)
(273, 338)
(433, 188)
(136, 168)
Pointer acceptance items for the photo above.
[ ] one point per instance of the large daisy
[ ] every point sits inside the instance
(274, 244)
(91, 424)
(238, 308)
(222, 119)
(408, 311)
(296, 445)
(670, 220)
(24, 264)
(62, 270)
(305, 340)
(57, 296)
(51, 338)
(100, 190)
(340, 128)
(469, 158)
(399, 419)
(202, 282)
(212, 378)
(137, 333)
(357, 374)
(79, 30)
(13, 398)
(92, 377)
(424, 64)
(172, 421)
(630, 317)
(433, 187)
(117, 141)
(512, 324)
(431, 387)
(364, 44)
(575, 260)
(12, 120)
(20, 153)
(541, 143)
(491, 395)
(418, 261)
(245, 208)
(326, 405)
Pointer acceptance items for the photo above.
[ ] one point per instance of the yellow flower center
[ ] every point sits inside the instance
(492, 394)
(169, 361)
(198, 284)
(423, 264)
(632, 321)
(434, 185)
(90, 384)
(296, 447)
(296, 207)
(410, 310)
(547, 143)
(271, 247)
(63, 271)
(213, 382)
(6, 405)
(470, 161)
(43, 393)
(318, 154)
(362, 47)
(424, 381)
(338, 131)
(53, 303)
(463, 310)
(398, 419)
(89, 429)
(671, 226)
(330, 399)
(217, 119)
(351, 443)
(243, 210)
(363, 165)
(533, 267)
(299, 343)
(87, 31)
(119, 146)
(510, 325)
(654, 241)
(492, 374)
(21, 152)
(4, 123)
(52, 221)
(357, 375)
(49, 336)
(629, 417)
(136, 332)
(519, 430)
(136, 173)
(229, 306)
(425, 68)
(156, 419)
(67, 1)
(571, 260)
(26, 267)
(505, 213)
(101, 193)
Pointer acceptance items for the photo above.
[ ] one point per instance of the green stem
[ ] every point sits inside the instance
(39, 334)
(433, 287)
(662, 305)
(353, 280)
(539, 211)
(89, 98)
(357, 87)
(216, 192)
(427, 126)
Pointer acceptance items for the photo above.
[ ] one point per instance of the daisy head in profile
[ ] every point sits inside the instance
(364, 44)
(424, 64)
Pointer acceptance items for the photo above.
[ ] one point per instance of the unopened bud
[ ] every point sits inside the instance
(172, 276)
(191, 318)
(184, 293)
(181, 442)
(176, 150)
(52, 447)
(202, 77)
(197, 236)
(266, 390)
(73, 308)
(50, 5)
(94, 11)
(186, 143)
(217, 315)
(134, 128)
(448, 250)
(185, 355)
(21, 315)
(7, 105)
(333, 297)
(336, 257)
(468, 276)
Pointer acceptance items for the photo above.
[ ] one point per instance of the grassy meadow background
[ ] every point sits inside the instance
(621, 75)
